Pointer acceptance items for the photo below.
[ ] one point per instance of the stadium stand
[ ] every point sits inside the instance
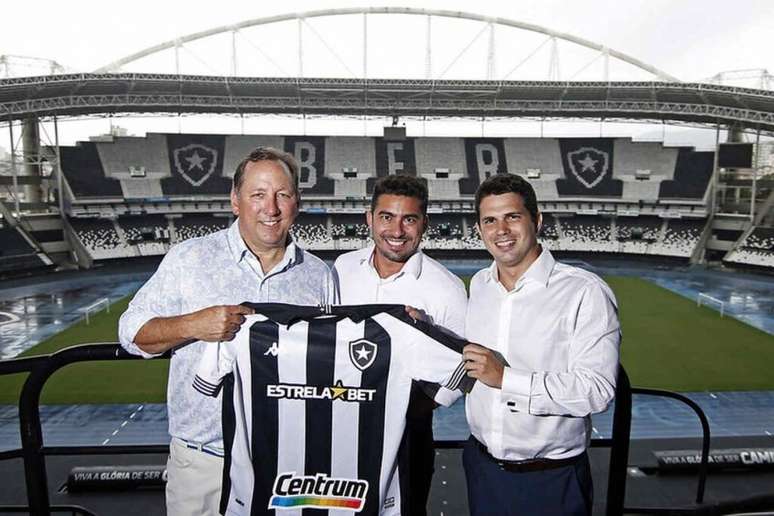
(636, 234)
(680, 238)
(237, 147)
(586, 233)
(539, 161)
(83, 170)
(548, 231)
(15, 252)
(444, 231)
(100, 238)
(310, 153)
(195, 165)
(441, 161)
(484, 157)
(393, 156)
(691, 178)
(757, 248)
(588, 168)
(311, 232)
(350, 161)
(573, 177)
(149, 234)
(349, 231)
(193, 226)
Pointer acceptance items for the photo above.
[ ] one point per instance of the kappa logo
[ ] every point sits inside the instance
(195, 162)
(589, 165)
(362, 353)
(273, 350)
(318, 491)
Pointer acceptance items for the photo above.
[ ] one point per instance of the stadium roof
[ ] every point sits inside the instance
(80, 94)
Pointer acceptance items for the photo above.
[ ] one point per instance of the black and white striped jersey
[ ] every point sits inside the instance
(315, 415)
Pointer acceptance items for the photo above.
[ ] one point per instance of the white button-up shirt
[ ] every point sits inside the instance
(217, 269)
(422, 283)
(558, 330)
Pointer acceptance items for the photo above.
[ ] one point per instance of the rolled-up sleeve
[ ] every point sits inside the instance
(588, 385)
(159, 297)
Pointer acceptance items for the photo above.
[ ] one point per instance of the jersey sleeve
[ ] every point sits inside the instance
(430, 354)
(217, 360)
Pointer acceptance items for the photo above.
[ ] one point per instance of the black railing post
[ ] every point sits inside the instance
(619, 450)
(32, 441)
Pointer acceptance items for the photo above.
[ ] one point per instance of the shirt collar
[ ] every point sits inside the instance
(240, 251)
(539, 271)
(413, 265)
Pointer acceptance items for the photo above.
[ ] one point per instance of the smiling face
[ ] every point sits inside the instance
(509, 232)
(397, 224)
(266, 204)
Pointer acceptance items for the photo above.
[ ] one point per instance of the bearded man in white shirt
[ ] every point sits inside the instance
(555, 334)
(395, 270)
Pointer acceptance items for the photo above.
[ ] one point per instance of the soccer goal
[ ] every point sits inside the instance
(96, 306)
(705, 299)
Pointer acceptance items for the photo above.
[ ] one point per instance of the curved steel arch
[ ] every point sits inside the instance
(115, 65)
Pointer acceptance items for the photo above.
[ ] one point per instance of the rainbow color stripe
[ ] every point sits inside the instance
(315, 501)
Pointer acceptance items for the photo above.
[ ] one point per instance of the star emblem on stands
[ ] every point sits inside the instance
(195, 161)
(588, 163)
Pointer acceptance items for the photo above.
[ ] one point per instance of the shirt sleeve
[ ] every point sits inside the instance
(588, 385)
(451, 321)
(432, 355)
(159, 297)
(218, 360)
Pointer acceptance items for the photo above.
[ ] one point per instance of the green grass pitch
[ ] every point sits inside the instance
(668, 343)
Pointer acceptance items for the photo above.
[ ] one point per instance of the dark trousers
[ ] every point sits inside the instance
(419, 451)
(492, 491)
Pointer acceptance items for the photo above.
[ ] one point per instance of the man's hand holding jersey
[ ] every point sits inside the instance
(212, 324)
(484, 365)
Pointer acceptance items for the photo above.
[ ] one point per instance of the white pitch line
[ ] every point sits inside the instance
(105, 442)
(124, 424)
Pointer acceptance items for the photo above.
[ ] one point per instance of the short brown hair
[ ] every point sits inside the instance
(400, 184)
(499, 184)
(282, 158)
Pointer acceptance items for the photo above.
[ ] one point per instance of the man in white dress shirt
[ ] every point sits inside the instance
(557, 333)
(395, 270)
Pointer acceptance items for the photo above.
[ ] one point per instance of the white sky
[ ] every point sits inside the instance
(691, 39)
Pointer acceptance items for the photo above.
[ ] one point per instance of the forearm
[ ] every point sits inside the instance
(161, 334)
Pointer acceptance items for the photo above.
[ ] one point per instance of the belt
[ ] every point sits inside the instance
(204, 448)
(529, 465)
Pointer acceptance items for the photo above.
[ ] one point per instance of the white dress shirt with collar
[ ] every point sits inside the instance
(217, 269)
(558, 330)
(422, 283)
